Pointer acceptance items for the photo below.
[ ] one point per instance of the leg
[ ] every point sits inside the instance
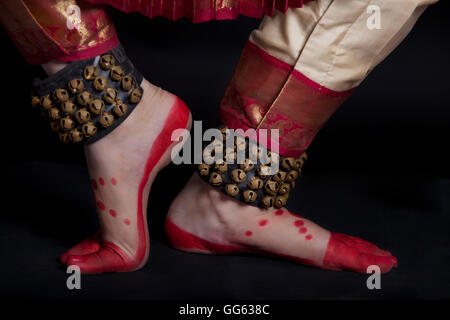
(294, 73)
(123, 164)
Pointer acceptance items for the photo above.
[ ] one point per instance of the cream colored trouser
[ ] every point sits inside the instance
(336, 43)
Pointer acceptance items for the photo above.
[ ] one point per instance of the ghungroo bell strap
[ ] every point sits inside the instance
(89, 98)
(260, 178)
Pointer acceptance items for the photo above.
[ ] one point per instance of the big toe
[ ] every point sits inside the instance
(383, 262)
(83, 248)
(104, 260)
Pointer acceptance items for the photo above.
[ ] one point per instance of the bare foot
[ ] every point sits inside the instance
(203, 220)
(122, 167)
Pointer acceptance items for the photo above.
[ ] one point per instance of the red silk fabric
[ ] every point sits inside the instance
(39, 27)
(40, 30)
(267, 93)
(202, 10)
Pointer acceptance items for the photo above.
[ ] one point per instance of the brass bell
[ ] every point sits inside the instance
(66, 124)
(135, 95)
(238, 175)
(127, 83)
(230, 155)
(84, 98)
(300, 161)
(120, 109)
(100, 83)
(273, 158)
(267, 201)
(240, 144)
(64, 137)
(107, 61)
(46, 102)
(90, 72)
(110, 95)
(203, 169)
(82, 116)
(75, 136)
(96, 106)
(226, 133)
(75, 85)
(54, 113)
(285, 189)
(89, 129)
(247, 165)
(292, 176)
(35, 101)
(280, 176)
(221, 167)
(208, 156)
(215, 179)
(249, 196)
(288, 163)
(263, 172)
(68, 107)
(232, 189)
(117, 73)
(280, 202)
(54, 125)
(255, 183)
(271, 187)
(255, 152)
(304, 156)
(60, 95)
(106, 120)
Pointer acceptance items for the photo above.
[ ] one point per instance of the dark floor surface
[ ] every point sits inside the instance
(378, 170)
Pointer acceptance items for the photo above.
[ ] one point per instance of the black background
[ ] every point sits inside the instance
(378, 170)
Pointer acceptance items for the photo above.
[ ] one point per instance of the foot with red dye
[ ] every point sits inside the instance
(204, 220)
(122, 167)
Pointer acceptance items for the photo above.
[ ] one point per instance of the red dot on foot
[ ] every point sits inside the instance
(303, 230)
(279, 212)
(263, 222)
(299, 223)
(94, 184)
(101, 205)
(248, 233)
(113, 181)
(102, 182)
(308, 237)
(113, 213)
(127, 222)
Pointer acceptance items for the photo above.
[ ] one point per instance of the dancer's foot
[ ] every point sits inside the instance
(122, 167)
(204, 220)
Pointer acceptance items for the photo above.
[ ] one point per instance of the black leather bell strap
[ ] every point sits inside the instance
(89, 98)
(249, 172)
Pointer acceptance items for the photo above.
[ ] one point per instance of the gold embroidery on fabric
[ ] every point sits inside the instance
(94, 28)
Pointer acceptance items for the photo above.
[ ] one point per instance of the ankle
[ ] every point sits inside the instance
(54, 66)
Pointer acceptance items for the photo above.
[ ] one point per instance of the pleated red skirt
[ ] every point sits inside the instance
(202, 10)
